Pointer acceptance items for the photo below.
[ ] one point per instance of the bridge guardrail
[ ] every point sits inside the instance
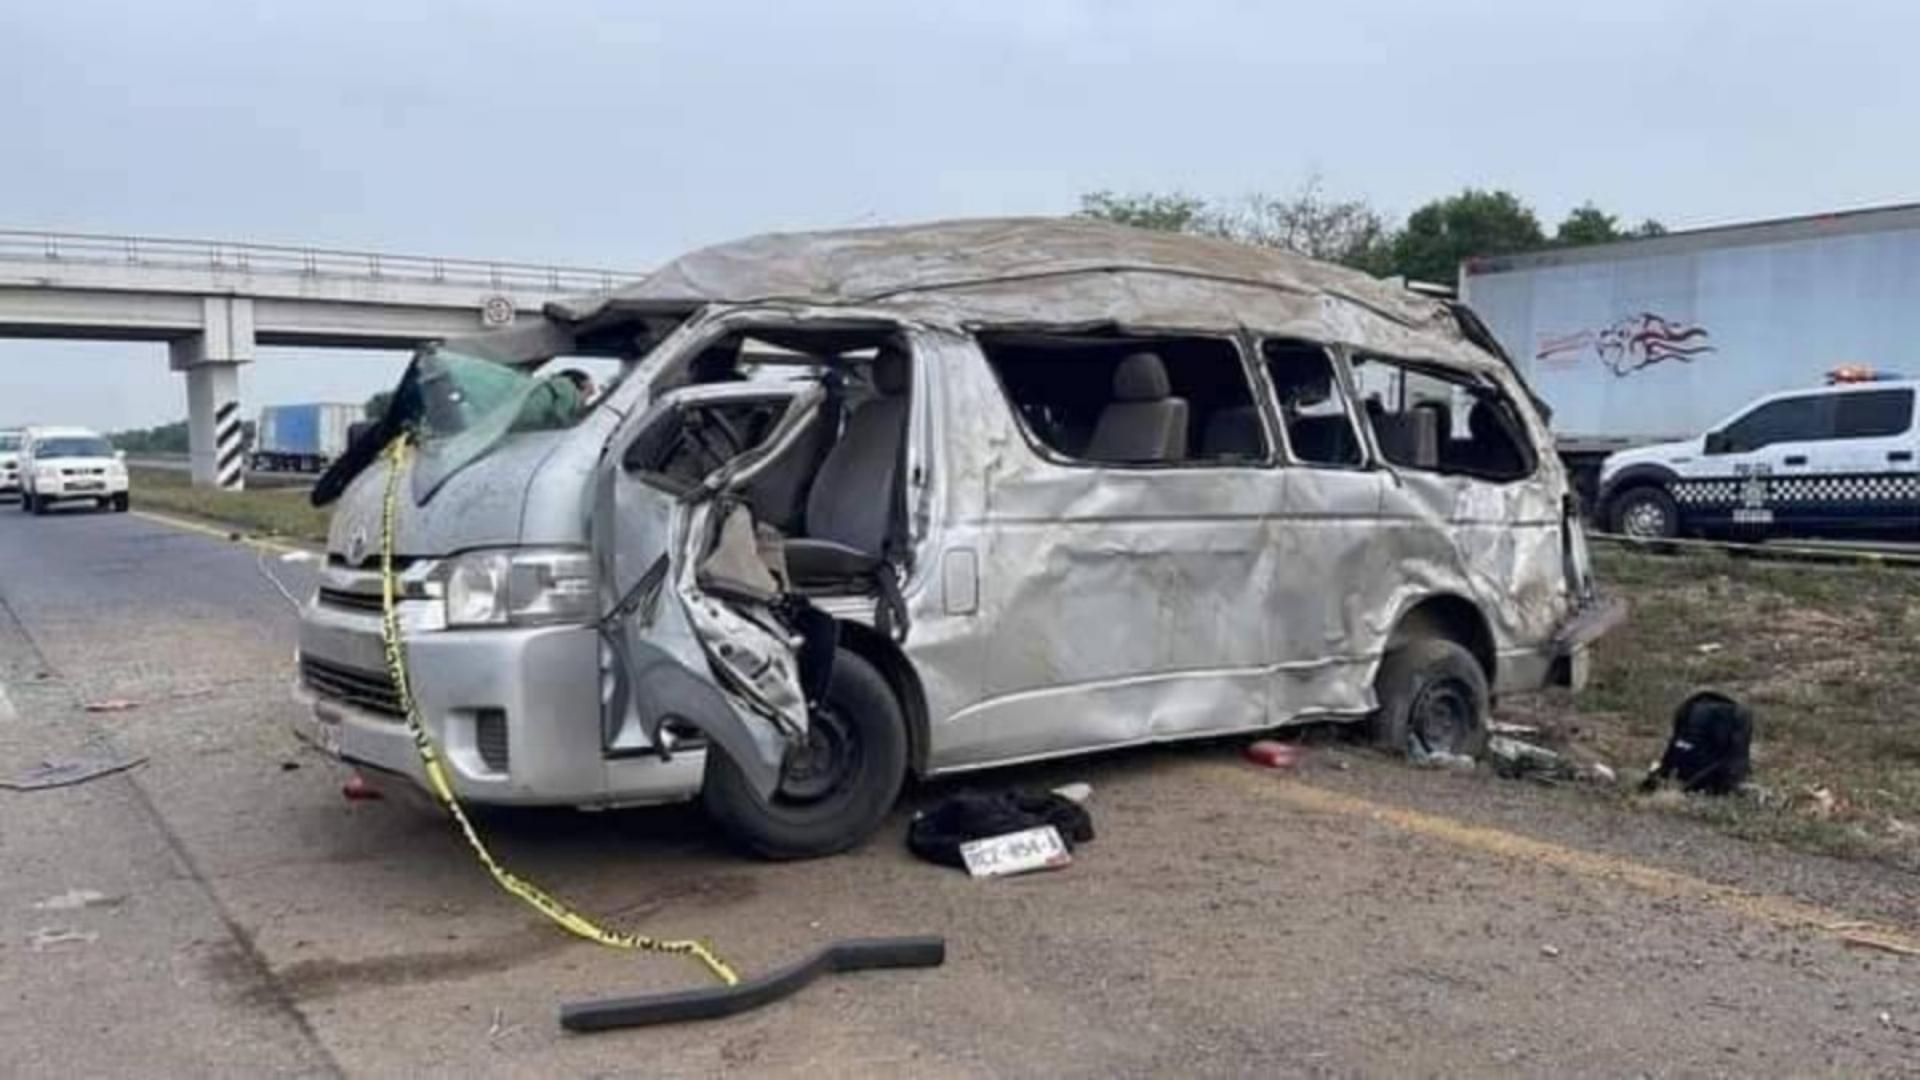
(100, 249)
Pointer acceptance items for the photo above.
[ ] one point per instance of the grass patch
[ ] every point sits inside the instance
(1823, 655)
(264, 512)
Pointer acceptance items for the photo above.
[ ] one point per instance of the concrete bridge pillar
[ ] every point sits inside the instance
(211, 362)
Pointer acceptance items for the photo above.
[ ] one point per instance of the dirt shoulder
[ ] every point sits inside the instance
(1820, 652)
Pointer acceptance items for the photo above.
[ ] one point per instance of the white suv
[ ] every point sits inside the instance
(1842, 460)
(63, 463)
(9, 463)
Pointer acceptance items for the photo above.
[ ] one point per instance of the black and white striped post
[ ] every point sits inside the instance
(211, 361)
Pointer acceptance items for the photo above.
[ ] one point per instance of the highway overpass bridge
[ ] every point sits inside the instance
(213, 303)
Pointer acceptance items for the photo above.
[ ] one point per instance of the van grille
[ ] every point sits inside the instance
(350, 600)
(371, 690)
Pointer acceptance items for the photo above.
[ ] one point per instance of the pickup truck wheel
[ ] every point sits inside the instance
(1433, 700)
(837, 787)
(1646, 513)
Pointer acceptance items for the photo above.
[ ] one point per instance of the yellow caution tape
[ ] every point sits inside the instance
(541, 900)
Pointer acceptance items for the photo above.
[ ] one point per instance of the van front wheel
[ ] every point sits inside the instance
(1433, 700)
(837, 787)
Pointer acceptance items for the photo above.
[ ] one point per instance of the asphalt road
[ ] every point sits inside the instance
(1351, 917)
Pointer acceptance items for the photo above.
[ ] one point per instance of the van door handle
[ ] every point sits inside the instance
(1794, 459)
(1899, 455)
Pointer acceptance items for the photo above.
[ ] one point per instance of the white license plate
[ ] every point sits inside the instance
(1747, 516)
(86, 485)
(1016, 853)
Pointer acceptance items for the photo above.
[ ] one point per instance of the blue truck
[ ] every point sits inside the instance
(302, 438)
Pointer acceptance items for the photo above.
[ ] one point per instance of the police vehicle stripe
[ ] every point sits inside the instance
(1871, 488)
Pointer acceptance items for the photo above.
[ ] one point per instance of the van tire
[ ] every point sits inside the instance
(861, 718)
(121, 502)
(1645, 513)
(1433, 697)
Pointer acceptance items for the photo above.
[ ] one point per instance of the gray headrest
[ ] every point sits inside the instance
(1141, 377)
(890, 371)
(1483, 419)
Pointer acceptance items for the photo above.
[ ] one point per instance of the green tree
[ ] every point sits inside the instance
(1307, 222)
(1174, 212)
(164, 439)
(1346, 231)
(1439, 235)
(1588, 224)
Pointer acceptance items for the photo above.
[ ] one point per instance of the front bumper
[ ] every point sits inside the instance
(87, 488)
(542, 683)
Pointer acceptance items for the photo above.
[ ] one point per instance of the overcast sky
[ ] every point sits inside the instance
(617, 133)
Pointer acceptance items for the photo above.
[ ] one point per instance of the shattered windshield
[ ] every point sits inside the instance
(469, 404)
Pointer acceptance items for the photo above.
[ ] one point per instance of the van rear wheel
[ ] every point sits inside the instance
(837, 787)
(1433, 700)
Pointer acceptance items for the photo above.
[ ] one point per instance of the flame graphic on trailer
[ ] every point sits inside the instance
(1629, 344)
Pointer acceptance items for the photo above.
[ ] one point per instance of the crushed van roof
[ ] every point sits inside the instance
(1032, 272)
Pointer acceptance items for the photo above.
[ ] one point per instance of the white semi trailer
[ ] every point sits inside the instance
(1660, 338)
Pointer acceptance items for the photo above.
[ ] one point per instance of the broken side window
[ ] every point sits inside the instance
(696, 438)
(1106, 399)
(1429, 419)
(1312, 404)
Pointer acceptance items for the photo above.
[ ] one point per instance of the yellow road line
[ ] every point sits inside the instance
(232, 536)
(1776, 910)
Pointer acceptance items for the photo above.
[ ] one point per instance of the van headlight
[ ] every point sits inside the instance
(519, 587)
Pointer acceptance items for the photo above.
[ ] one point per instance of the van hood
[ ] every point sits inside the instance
(481, 505)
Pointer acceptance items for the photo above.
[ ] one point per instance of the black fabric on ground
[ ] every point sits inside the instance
(1710, 750)
(936, 835)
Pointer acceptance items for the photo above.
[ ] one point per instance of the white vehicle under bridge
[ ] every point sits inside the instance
(928, 499)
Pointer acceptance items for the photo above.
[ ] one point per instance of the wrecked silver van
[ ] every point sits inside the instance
(927, 499)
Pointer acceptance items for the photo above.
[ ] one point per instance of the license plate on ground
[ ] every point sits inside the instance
(1016, 853)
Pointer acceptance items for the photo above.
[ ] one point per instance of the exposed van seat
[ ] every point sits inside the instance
(1145, 422)
(849, 505)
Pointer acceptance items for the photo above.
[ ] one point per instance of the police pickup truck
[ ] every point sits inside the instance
(1834, 461)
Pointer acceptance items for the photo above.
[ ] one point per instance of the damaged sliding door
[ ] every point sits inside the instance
(690, 638)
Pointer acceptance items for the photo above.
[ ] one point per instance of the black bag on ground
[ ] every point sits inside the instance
(937, 834)
(1711, 746)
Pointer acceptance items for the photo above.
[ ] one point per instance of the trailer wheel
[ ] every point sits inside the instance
(836, 789)
(1645, 513)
